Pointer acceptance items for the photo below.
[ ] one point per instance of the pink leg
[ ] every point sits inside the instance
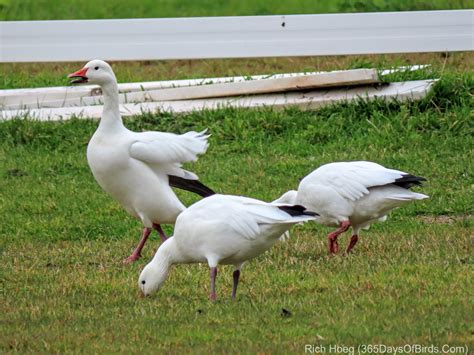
(160, 231)
(212, 295)
(332, 237)
(236, 276)
(353, 242)
(137, 252)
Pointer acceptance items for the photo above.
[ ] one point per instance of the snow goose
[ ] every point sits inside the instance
(221, 229)
(353, 194)
(139, 169)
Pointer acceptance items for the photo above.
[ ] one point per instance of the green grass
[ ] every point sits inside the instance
(63, 287)
(409, 281)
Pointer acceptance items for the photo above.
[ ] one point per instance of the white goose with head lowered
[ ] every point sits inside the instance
(138, 169)
(353, 194)
(221, 229)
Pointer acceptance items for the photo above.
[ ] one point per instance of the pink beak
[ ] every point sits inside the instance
(80, 73)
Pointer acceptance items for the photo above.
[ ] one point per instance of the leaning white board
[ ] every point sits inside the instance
(237, 37)
(10, 97)
(410, 90)
(249, 87)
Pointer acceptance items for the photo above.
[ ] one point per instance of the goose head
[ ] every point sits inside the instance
(154, 274)
(151, 279)
(95, 72)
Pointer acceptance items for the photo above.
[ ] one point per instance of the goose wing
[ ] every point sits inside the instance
(353, 179)
(161, 148)
(246, 216)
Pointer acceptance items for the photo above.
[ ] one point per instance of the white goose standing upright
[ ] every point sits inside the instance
(353, 194)
(221, 229)
(138, 169)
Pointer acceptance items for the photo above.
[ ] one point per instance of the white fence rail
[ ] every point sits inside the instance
(237, 37)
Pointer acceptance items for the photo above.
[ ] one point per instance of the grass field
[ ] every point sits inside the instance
(409, 281)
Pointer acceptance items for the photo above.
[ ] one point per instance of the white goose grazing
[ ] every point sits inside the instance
(138, 169)
(221, 229)
(353, 194)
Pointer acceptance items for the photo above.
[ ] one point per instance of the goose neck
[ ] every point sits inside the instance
(111, 113)
(168, 254)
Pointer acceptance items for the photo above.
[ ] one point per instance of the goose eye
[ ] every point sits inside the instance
(143, 282)
(96, 68)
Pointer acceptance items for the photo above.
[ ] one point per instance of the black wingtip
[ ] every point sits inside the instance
(190, 185)
(297, 210)
(408, 180)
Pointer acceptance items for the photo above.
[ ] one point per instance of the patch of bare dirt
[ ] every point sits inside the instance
(445, 219)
